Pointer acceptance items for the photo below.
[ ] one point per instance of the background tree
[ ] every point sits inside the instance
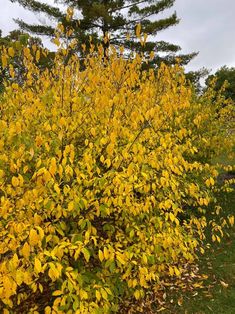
(222, 75)
(195, 77)
(118, 18)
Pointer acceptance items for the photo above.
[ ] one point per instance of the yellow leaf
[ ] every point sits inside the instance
(83, 294)
(86, 254)
(11, 52)
(97, 295)
(172, 217)
(7, 286)
(231, 220)
(33, 237)
(101, 255)
(71, 206)
(212, 181)
(15, 181)
(171, 271)
(202, 250)
(104, 294)
(137, 294)
(21, 180)
(57, 293)
(1, 173)
(145, 37)
(4, 61)
(56, 188)
(19, 277)
(47, 310)
(145, 259)
(177, 272)
(108, 162)
(134, 283)
(15, 260)
(53, 272)
(40, 230)
(38, 55)
(26, 52)
(93, 132)
(40, 286)
(53, 167)
(106, 253)
(138, 30)
(15, 86)
(119, 258)
(37, 265)
(56, 41)
(142, 281)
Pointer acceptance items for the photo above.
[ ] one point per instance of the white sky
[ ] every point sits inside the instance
(207, 26)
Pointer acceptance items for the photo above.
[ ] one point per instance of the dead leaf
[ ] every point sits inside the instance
(224, 284)
(180, 301)
(161, 309)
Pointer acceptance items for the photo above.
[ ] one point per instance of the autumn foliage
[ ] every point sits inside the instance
(105, 181)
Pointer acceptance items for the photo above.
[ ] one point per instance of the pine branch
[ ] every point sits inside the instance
(36, 6)
(154, 27)
(33, 28)
(151, 9)
(126, 7)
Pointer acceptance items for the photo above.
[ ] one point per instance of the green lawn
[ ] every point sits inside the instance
(218, 294)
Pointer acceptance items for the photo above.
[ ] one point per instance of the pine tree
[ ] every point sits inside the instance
(115, 18)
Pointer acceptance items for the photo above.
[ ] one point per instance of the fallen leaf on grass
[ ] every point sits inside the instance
(224, 284)
(161, 309)
(180, 301)
(209, 308)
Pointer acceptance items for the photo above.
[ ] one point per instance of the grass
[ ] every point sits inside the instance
(218, 294)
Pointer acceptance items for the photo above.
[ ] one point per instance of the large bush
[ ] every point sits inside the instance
(105, 179)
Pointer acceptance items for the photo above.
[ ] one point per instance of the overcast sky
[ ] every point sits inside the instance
(207, 26)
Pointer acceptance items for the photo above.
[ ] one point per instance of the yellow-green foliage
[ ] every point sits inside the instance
(103, 182)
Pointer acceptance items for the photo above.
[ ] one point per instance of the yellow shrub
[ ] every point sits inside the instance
(103, 183)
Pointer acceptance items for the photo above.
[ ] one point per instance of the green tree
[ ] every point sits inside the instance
(118, 18)
(224, 74)
(195, 77)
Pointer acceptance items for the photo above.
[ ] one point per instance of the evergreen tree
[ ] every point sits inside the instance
(118, 18)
